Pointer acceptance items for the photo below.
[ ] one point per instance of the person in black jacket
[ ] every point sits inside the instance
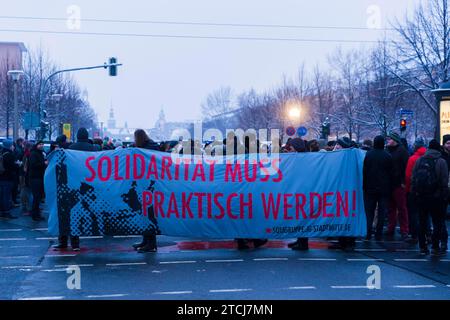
(142, 140)
(377, 185)
(36, 175)
(82, 144)
(8, 170)
(400, 158)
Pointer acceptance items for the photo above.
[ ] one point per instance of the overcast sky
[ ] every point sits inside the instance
(178, 73)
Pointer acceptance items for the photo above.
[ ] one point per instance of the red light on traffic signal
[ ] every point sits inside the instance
(403, 124)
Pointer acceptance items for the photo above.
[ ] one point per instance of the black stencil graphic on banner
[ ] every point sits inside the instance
(89, 212)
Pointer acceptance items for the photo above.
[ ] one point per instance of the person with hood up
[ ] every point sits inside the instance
(82, 144)
(377, 184)
(430, 186)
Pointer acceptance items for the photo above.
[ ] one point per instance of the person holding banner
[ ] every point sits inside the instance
(82, 144)
(148, 243)
(298, 145)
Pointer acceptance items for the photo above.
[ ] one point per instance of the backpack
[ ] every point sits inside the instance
(425, 182)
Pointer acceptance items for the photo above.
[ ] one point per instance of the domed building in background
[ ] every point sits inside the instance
(161, 131)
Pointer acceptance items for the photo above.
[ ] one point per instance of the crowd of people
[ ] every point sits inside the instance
(402, 185)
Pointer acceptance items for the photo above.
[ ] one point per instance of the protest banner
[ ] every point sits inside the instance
(129, 191)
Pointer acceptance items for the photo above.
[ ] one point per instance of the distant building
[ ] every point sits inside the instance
(161, 131)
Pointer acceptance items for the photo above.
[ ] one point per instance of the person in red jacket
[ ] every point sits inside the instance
(413, 214)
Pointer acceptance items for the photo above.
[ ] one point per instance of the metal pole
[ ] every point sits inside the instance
(16, 114)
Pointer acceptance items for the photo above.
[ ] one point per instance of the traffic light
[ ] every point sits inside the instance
(112, 69)
(44, 129)
(403, 125)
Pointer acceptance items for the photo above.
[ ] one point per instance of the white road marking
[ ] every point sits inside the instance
(301, 288)
(10, 230)
(25, 247)
(19, 267)
(175, 262)
(54, 270)
(59, 255)
(108, 295)
(406, 250)
(13, 239)
(270, 259)
(173, 292)
(43, 298)
(69, 265)
(365, 259)
(127, 264)
(316, 259)
(15, 257)
(448, 285)
(92, 237)
(415, 286)
(445, 260)
(411, 260)
(349, 287)
(229, 290)
(47, 238)
(40, 229)
(118, 237)
(230, 260)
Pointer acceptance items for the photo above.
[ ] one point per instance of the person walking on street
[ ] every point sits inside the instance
(8, 169)
(430, 186)
(377, 185)
(36, 174)
(26, 196)
(398, 210)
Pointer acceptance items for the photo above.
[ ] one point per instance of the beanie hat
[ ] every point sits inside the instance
(378, 142)
(82, 134)
(420, 142)
(395, 136)
(434, 145)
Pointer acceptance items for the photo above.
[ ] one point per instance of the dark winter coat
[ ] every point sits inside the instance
(9, 163)
(84, 145)
(400, 158)
(36, 165)
(378, 172)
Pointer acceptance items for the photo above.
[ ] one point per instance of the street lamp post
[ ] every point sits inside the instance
(443, 110)
(15, 75)
(57, 98)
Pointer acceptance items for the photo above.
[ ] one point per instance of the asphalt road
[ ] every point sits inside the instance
(185, 269)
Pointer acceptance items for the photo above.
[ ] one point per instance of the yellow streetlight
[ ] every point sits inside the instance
(294, 113)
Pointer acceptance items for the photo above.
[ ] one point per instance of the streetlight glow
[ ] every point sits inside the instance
(294, 113)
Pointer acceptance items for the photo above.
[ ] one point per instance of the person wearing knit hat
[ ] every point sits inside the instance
(344, 143)
(398, 209)
(431, 197)
(395, 136)
(419, 143)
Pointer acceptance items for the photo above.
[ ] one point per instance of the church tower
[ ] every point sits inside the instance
(111, 120)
